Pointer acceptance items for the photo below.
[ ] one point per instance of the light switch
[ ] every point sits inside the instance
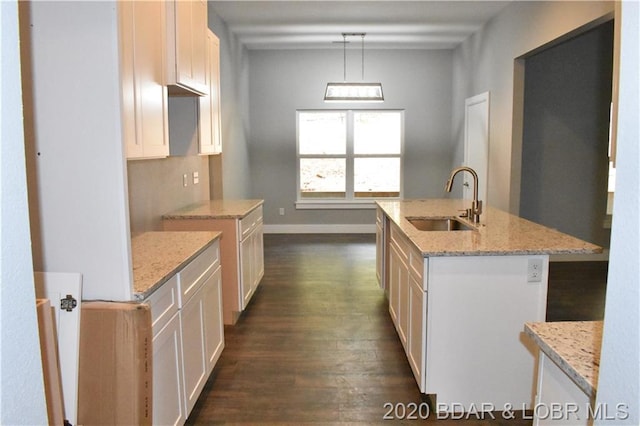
(196, 178)
(185, 180)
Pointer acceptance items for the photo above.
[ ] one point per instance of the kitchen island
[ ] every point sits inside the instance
(459, 299)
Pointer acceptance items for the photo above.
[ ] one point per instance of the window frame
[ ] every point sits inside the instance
(349, 201)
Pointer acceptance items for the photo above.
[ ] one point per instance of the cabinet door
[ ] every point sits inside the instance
(379, 250)
(214, 328)
(247, 254)
(144, 96)
(403, 303)
(417, 337)
(186, 29)
(168, 402)
(394, 284)
(193, 348)
(209, 112)
(258, 255)
(252, 261)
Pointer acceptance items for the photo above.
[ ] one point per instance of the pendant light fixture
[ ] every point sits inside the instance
(353, 92)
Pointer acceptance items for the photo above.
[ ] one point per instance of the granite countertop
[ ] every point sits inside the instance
(499, 233)
(574, 346)
(216, 209)
(157, 256)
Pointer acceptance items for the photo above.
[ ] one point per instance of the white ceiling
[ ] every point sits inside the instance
(312, 24)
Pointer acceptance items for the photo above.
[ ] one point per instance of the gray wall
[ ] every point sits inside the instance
(565, 140)
(283, 81)
(234, 93)
(487, 61)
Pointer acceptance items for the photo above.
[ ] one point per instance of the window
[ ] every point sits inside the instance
(349, 157)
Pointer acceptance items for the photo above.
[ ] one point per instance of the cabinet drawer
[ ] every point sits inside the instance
(250, 221)
(401, 243)
(164, 304)
(416, 263)
(196, 272)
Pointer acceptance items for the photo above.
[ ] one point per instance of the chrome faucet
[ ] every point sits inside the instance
(476, 206)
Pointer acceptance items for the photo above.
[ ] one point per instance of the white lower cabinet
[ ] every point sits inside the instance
(242, 248)
(251, 254)
(407, 300)
(380, 250)
(416, 336)
(556, 389)
(193, 348)
(188, 336)
(395, 267)
(168, 405)
(214, 334)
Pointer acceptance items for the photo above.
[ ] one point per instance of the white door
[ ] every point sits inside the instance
(62, 289)
(476, 143)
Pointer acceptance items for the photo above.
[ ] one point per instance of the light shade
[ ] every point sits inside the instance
(354, 92)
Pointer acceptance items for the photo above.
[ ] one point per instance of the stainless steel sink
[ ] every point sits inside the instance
(439, 224)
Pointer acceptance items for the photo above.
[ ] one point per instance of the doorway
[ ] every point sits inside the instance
(476, 144)
(565, 136)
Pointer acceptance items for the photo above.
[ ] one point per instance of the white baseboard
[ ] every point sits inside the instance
(320, 229)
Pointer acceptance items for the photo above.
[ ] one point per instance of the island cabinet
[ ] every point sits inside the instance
(186, 32)
(242, 245)
(459, 299)
(407, 300)
(188, 335)
(380, 241)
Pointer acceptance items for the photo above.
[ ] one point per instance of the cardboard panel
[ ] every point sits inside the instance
(115, 376)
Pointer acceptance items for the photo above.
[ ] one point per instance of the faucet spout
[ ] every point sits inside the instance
(476, 206)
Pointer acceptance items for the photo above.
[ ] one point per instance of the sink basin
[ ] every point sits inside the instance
(439, 224)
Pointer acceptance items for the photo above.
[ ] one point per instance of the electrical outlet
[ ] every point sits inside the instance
(281, 211)
(534, 271)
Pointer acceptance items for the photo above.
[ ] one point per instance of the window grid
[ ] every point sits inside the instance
(349, 195)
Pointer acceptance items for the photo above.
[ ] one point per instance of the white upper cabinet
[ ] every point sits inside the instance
(210, 138)
(144, 93)
(194, 121)
(186, 31)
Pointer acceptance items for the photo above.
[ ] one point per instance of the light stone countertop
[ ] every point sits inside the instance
(216, 209)
(499, 233)
(157, 256)
(574, 346)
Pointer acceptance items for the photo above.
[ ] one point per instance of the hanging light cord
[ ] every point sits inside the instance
(362, 57)
(344, 54)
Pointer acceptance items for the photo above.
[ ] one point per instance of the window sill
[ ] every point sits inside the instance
(335, 204)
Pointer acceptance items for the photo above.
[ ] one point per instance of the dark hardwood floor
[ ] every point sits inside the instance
(316, 344)
(576, 291)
